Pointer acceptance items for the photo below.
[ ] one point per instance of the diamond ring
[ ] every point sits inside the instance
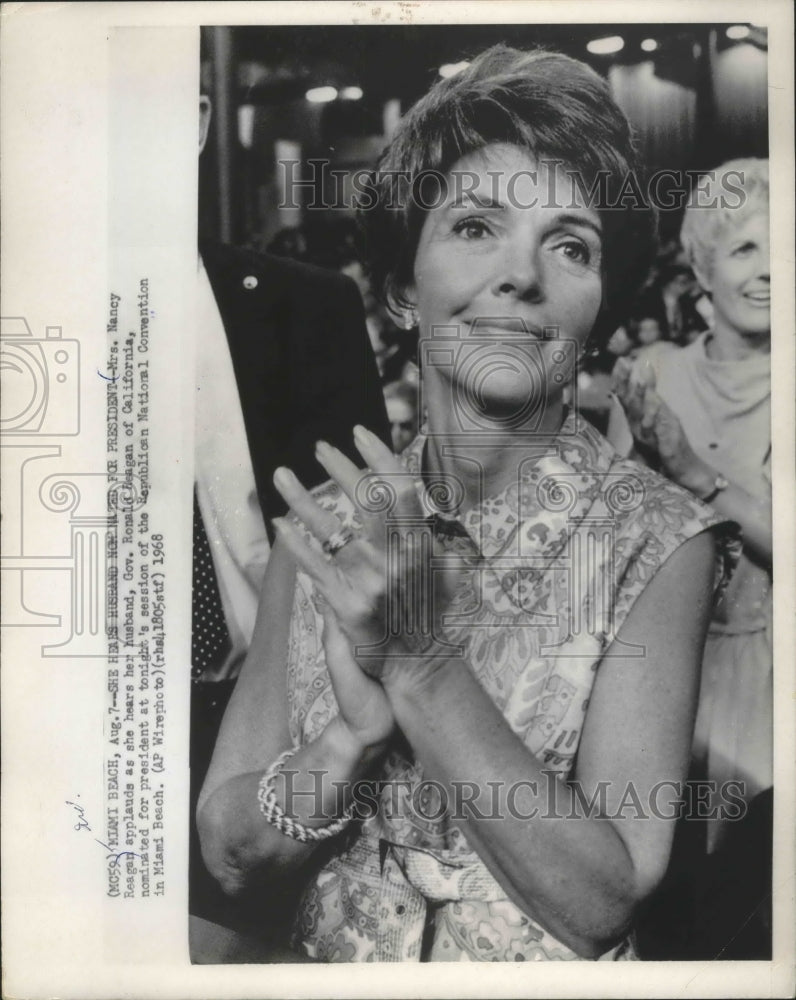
(336, 541)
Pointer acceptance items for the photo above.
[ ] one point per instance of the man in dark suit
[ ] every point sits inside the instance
(302, 359)
(284, 360)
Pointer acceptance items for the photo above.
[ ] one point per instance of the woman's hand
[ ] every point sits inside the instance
(630, 386)
(678, 459)
(378, 584)
(656, 429)
(365, 711)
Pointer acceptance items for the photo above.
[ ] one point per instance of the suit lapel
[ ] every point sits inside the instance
(253, 304)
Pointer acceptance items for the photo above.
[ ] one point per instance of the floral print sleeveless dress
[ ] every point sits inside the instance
(558, 559)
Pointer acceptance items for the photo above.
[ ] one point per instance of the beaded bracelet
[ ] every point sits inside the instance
(276, 815)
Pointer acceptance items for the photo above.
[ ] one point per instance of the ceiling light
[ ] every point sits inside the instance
(351, 93)
(321, 95)
(649, 45)
(451, 69)
(737, 32)
(605, 46)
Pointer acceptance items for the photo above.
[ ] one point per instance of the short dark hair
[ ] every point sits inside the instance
(550, 104)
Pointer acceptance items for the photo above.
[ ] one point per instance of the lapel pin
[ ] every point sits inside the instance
(250, 281)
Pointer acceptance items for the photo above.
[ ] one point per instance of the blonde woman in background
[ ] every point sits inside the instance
(702, 416)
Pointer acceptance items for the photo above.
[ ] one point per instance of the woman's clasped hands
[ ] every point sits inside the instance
(373, 586)
(657, 432)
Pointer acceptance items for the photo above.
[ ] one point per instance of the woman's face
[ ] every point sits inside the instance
(649, 331)
(619, 343)
(740, 279)
(403, 423)
(511, 259)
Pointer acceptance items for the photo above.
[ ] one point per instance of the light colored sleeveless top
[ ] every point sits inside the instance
(538, 616)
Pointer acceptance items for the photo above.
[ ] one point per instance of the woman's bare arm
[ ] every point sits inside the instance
(239, 846)
(580, 877)
(659, 439)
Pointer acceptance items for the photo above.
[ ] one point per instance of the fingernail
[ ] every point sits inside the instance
(323, 447)
(360, 434)
(283, 476)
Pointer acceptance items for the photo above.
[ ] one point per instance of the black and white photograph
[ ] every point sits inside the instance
(670, 359)
(393, 495)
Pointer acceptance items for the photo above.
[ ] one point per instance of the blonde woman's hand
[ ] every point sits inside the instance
(678, 459)
(657, 432)
(634, 387)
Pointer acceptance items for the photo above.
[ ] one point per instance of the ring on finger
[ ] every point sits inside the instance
(337, 540)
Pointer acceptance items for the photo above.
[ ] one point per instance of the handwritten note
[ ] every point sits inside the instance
(79, 814)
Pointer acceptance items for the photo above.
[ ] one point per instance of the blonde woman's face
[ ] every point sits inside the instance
(740, 279)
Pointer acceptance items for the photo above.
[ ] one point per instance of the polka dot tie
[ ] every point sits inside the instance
(210, 642)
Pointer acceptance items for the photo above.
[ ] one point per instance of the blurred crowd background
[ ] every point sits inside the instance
(696, 95)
